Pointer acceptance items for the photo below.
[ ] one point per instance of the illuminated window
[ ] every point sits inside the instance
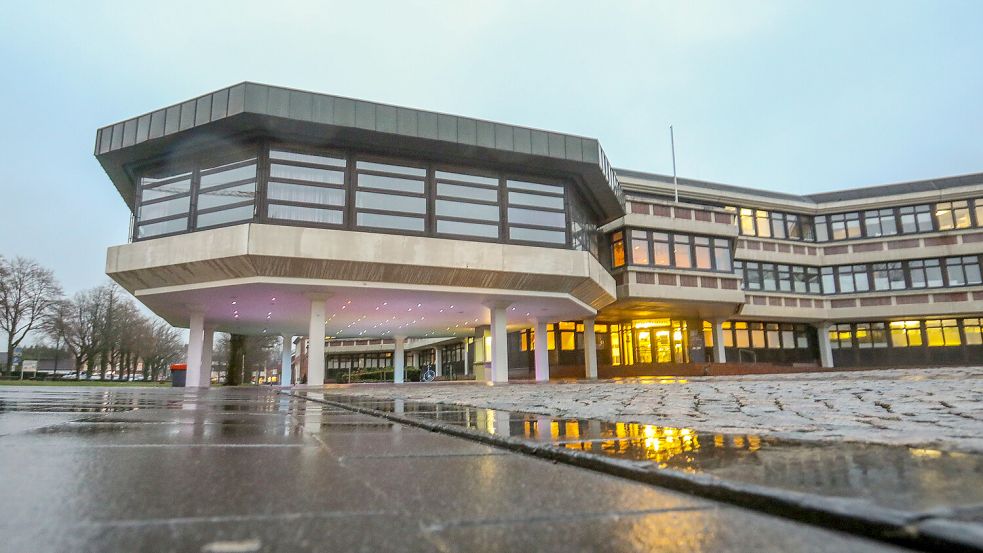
(618, 249)
(757, 335)
(681, 251)
(568, 341)
(550, 339)
(615, 346)
(639, 248)
(741, 336)
(953, 215)
(525, 341)
(943, 332)
(841, 336)
(978, 205)
(762, 220)
(773, 336)
(747, 222)
(973, 329)
(660, 241)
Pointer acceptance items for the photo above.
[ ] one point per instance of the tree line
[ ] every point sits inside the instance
(100, 328)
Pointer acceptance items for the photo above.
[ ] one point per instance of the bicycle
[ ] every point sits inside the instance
(428, 373)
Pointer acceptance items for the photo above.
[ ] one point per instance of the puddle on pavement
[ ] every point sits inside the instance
(897, 477)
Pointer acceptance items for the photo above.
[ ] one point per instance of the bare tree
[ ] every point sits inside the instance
(78, 323)
(163, 348)
(28, 295)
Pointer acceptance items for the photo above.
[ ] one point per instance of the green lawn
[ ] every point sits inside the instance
(81, 383)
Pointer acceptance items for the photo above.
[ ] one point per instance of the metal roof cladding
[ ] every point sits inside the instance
(288, 113)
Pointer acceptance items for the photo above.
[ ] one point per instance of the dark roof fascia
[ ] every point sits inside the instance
(249, 107)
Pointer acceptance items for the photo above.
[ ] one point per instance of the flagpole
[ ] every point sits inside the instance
(675, 184)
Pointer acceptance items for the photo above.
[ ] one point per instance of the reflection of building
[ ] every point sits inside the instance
(394, 237)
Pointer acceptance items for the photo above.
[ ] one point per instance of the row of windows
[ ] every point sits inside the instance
(663, 249)
(334, 189)
(903, 334)
(861, 224)
(744, 334)
(846, 279)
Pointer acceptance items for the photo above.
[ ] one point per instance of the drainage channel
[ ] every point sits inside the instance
(914, 497)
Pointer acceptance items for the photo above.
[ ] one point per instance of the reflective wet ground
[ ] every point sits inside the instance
(247, 469)
(926, 482)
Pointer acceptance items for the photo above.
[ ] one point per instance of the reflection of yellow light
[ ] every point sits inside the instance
(649, 431)
(932, 453)
(718, 441)
(738, 441)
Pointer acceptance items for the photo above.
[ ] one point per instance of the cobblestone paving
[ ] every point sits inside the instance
(939, 407)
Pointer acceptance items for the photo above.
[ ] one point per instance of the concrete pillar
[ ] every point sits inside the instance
(719, 353)
(207, 344)
(315, 348)
(399, 368)
(825, 349)
(467, 363)
(286, 376)
(436, 361)
(499, 354)
(196, 338)
(541, 352)
(590, 349)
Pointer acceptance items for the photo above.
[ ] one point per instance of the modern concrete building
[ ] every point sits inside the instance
(382, 236)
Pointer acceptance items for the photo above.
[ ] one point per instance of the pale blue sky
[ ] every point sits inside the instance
(784, 95)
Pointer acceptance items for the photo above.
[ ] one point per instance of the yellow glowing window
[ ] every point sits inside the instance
(580, 328)
(532, 340)
(615, 349)
(568, 341)
(488, 347)
(525, 342)
(747, 222)
(600, 329)
(618, 253)
(550, 340)
(974, 331)
(566, 325)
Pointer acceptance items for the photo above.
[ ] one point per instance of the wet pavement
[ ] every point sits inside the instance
(935, 492)
(247, 469)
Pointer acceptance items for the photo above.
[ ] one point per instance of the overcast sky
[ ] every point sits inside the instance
(784, 95)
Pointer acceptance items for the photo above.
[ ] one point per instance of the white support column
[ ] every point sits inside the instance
(286, 359)
(825, 349)
(196, 337)
(399, 368)
(467, 364)
(590, 349)
(436, 360)
(315, 346)
(719, 353)
(205, 380)
(499, 354)
(541, 352)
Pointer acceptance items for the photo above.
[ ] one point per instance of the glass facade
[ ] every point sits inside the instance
(313, 187)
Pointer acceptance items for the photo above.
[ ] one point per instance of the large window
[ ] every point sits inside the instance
(306, 187)
(164, 202)
(467, 204)
(226, 194)
(536, 212)
(953, 215)
(389, 196)
(962, 271)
